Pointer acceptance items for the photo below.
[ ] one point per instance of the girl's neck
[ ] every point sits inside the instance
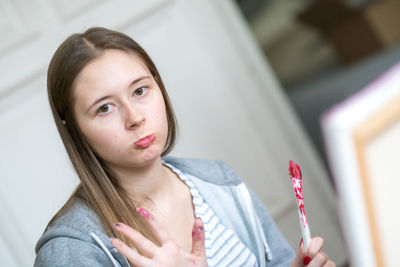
(151, 182)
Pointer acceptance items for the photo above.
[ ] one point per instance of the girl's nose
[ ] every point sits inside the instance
(133, 116)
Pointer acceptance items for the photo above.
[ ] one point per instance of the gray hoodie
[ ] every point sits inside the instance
(77, 238)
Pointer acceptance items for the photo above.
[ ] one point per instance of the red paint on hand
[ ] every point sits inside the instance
(307, 260)
(196, 233)
(198, 228)
(145, 213)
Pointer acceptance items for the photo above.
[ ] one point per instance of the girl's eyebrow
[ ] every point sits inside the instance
(107, 96)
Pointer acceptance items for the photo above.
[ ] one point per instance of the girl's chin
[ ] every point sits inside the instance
(147, 157)
(147, 160)
(134, 164)
(138, 159)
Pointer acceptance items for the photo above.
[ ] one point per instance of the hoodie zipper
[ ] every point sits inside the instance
(262, 244)
(101, 244)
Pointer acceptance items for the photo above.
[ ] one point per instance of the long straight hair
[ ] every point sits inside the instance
(98, 187)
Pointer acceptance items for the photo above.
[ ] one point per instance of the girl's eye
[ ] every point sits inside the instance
(104, 108)
(140, 91)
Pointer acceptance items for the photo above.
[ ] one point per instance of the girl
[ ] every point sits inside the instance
(117, 124)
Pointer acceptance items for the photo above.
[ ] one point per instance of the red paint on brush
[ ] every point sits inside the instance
(295, 177)
(294, 169)
(301, 242)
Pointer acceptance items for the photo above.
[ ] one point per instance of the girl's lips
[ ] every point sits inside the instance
(145, 142)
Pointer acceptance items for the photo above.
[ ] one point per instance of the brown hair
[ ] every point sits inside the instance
(98, 187)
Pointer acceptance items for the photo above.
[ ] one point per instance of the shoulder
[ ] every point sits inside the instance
(212, 171)
(66, 251)
(68, 240)
(77, 222)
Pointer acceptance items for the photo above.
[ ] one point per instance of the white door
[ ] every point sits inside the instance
(228, 104)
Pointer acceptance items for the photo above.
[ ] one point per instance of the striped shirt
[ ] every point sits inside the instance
(223, 246)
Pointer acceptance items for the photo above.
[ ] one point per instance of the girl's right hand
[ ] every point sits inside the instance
(313, 257)
(168, 254)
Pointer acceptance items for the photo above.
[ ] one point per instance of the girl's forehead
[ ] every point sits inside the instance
(114, 60)
(113, 70)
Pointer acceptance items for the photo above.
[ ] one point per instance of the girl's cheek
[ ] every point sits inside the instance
(110, 139)
(103, 137)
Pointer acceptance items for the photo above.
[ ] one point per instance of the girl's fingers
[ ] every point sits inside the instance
(319, 260)
(313, 257)
(314, 253)
(299, 259)
(198, 239)
(145, 246)
(315, 247)
(330, 264)
(158, 230)
(132, 256)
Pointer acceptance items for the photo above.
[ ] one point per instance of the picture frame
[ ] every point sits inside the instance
(362, 137)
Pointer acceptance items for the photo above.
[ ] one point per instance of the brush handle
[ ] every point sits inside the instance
(305, 230)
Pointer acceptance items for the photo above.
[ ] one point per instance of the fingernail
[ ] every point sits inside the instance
(144, 213)
(200, 221)
(200, 227)
(307, 260)
(116, 224)
(301, 241)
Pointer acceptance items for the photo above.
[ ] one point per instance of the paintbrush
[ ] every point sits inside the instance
(297, 182)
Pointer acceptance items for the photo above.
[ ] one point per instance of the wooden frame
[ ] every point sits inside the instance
(362, 138)
(364, 134)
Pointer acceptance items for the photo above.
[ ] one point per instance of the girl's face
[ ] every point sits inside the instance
(120, 110)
